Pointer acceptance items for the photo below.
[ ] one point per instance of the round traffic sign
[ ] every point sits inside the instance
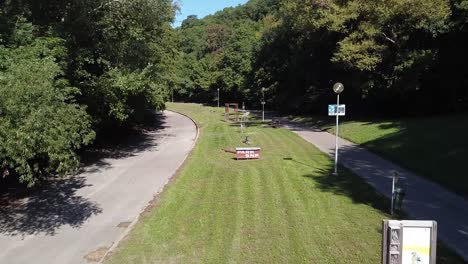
(338, 88)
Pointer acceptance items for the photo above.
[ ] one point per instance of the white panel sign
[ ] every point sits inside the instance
(409, 242)
(333, 110)
(416, 245)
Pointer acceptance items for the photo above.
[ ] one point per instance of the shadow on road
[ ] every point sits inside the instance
(47, 209)
(123, 143)
(56, 203)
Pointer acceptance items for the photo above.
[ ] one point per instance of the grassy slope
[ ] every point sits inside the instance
(436, 147)
(284, 208)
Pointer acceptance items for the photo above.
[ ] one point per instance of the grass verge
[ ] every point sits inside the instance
(284, 208)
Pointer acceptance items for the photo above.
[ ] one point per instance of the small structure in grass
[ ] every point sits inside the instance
(244, 116)
(227, 111)
(248, 153)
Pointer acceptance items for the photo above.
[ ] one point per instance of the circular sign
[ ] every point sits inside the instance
(338, 88)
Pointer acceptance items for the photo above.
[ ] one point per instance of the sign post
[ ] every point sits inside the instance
(394, 182)
(243, 117)
(337, 88)
(263, 104)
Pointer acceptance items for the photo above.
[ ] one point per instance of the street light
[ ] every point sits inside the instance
(263, 104)
(337, 88)
(218, 97)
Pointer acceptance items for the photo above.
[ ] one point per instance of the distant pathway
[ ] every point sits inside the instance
(89, 213)
(424, 200)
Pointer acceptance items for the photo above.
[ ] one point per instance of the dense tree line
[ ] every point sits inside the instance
(394, 57)
(70, 69)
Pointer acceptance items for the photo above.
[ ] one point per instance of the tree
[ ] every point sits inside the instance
(69, 66)
(41, 126)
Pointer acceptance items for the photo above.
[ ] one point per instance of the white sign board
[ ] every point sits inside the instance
(416, 245)
(409, 242)
(334, 110)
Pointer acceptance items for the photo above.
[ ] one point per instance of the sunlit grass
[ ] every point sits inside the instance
(284, 208)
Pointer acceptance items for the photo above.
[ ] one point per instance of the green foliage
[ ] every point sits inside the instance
(40, 124)
(384, 51)
(69, 66)
(221, 52)
(123, 57)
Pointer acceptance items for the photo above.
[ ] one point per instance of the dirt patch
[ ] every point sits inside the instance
(124, 224)
(97, 255)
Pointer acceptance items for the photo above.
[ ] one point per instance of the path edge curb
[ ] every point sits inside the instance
(182, 164)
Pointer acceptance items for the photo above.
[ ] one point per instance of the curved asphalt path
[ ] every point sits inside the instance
(102, 205)
(424, 199)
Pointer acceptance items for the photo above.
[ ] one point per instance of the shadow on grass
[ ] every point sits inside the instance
(349, 185)
(434, 147)
(247, 124)
(436, 150)
(297, 162)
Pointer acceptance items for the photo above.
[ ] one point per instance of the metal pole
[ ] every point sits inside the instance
(336, 134)
(172, 95)
(393, 191)
(263, 106)
(218, 97)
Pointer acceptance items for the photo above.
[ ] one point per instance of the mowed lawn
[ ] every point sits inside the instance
(284, 208)
(434, 147)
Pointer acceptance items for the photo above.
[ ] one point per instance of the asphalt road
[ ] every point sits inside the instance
(77, 220)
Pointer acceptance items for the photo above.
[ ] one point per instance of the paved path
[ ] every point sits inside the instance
(95, 209)
(424, 200)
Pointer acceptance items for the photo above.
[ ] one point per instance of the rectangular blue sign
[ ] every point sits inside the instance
(334, 110)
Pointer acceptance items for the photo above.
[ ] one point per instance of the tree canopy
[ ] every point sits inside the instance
(400, 51)
(69, 69)
(72, 69)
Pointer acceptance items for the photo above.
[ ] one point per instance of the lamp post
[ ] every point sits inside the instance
(337, 88)
(218, 97)
(394, 183)
(263, 104)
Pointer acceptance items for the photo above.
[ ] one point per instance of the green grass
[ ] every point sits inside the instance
(434, 147)
(284, 208)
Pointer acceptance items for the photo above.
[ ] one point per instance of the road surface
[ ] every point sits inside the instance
(77, 220)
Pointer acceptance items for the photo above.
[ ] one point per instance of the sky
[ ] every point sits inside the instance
(202, 8)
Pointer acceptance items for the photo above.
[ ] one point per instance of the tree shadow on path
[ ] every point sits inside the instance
(47, 209)
(57, 203)
(122, 143)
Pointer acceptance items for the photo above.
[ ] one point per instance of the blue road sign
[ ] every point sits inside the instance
(334, 110)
